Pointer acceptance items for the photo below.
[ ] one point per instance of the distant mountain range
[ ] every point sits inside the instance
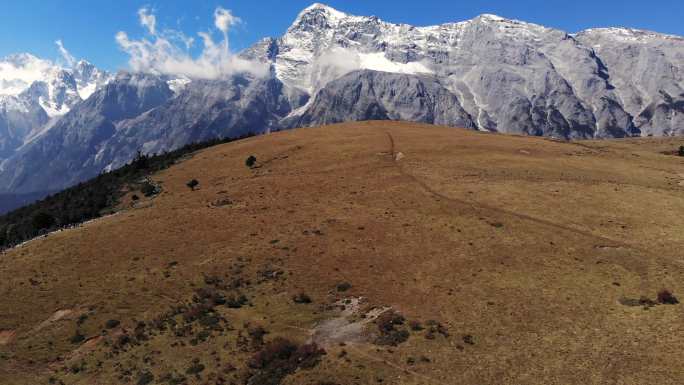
(488, 73)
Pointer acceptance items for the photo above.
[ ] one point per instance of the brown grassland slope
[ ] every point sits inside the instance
(426, 255)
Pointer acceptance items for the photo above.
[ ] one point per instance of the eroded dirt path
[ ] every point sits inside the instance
(640, 265)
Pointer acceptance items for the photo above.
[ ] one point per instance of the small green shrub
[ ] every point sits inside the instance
(145, 378)
(301, 298)
(77, 338)
(148, 189)
(343, 286)
(196, 367)
(112, 323)
(193, 184)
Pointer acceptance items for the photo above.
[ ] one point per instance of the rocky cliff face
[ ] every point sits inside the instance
(646, 70)
(488, 73)
(366, 94)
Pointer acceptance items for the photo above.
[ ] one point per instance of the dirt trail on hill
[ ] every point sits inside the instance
(477, 206)
(641, 267)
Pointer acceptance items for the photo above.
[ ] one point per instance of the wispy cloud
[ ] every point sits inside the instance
(148, 20)
(66, 55)
(168, 51)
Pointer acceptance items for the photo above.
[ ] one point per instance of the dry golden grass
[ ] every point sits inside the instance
(526, 244)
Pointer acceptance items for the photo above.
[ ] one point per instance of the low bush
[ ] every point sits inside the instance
(148, 189)
(301, 298)
(77, 338)
(195, 368)
(416, 326)
(193, 184)
(112, 323)
(343, 286)
(435, 328)
(236, 301)
(667, 298)
(389, 332)
(145, 378)
(280, 358)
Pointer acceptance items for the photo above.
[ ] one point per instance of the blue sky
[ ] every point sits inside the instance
(88, 27)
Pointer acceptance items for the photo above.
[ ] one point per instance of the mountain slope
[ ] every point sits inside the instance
(384, 96)
(488, 73)
(523, 259)
(512, 76)
(68, 152)
(34, 93)
(647, 70)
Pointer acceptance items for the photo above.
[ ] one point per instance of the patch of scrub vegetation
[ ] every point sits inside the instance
(664, 297)
(391, 330)
(91, 199)
(204, 338)
(280, 358)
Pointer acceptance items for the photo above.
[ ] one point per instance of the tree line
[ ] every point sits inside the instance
(90, 199)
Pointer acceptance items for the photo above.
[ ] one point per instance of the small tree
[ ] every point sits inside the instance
(251, 161)
(148, 189)
(192, 184)
(141, 161)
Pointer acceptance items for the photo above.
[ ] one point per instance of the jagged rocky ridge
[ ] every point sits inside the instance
(488, 73)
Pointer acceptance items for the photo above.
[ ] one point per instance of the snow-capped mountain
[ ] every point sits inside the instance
(34, 93)
(488, 73)
(509, 76)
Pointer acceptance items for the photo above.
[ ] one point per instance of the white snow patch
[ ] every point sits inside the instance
(178, 85)
(331, 13)
(51, 109)
(85, 92)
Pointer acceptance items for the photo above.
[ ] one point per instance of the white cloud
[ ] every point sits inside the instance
(167, 52)
(66, 55)
(338, 61)
(148, 20)
(19, 71)
(224, 19)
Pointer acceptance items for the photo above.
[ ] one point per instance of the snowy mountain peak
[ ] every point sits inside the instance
(35, 93)
(630, 35)
(491, 17)
(318, 16)
(323, 9)
(18, 72)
